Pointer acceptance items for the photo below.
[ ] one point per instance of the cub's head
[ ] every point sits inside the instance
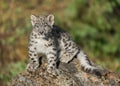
(42, 22)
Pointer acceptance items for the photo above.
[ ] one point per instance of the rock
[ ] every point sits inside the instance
(70, 75)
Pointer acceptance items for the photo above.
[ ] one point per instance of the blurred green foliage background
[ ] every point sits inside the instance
(93, 24)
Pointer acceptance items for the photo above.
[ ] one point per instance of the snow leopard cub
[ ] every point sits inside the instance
(56, 44)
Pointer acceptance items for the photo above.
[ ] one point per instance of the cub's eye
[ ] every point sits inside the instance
(45, 24)
(37, 26)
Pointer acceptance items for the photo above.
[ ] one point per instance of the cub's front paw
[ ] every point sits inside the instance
(52, 71)
(32, 66)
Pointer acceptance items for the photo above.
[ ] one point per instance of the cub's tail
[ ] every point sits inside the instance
(87, 66)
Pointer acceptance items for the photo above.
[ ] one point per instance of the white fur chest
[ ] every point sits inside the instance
(40, 45)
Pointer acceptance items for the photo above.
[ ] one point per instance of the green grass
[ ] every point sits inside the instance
(11, 70)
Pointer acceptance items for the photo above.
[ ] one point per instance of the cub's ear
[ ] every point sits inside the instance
(50, 19)
(33, 19)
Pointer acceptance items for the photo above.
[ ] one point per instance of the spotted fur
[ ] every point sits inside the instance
(55, 43)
